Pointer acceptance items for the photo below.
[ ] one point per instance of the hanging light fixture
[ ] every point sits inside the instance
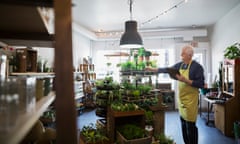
(131, 38)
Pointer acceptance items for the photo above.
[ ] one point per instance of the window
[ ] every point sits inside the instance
(107, 62)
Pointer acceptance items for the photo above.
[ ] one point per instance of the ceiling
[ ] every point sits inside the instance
(99, 17)
(110, 15)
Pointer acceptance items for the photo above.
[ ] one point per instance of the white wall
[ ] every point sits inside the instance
(223, 34)
(46, 54)
(81, 48)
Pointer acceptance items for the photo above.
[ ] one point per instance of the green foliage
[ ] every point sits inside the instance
(130, 89)
(132, 65)
(107, 83)
(153, 63)
(163, 139)
(92, 134)
(141, 51)
(141, 65)
(118, 106)
(128, 86)
(128, 65)
(233, 51)
(148, 53)
(131, 131)
(144, 89)
(136, 94)
(108, 64)
(148, 102)
(148, 117)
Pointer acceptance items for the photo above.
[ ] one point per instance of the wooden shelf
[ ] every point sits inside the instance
(33, 74)
(26, 121)
(228, 93)
(126, 113)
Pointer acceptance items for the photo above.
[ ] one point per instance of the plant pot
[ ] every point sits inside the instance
(140, 58)
(147, 58)
(149, 129)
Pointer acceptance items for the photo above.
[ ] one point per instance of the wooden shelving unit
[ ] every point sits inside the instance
(79, 96)
(87, 71)
(225, 114)
(33, 33)
(25, 121)
(88, 77)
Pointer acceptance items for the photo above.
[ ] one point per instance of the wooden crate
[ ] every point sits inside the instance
(122, 140)
(117, 118)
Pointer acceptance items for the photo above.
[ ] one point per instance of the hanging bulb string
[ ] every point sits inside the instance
(162, 13)
(130, 2)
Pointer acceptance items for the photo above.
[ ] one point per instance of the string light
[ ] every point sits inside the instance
(149, 21)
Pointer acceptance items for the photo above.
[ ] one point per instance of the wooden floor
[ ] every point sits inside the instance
(207, 134)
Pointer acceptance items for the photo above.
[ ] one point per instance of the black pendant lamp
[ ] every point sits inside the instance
(131, 38)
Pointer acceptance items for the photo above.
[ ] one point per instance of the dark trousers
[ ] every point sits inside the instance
(189, 132)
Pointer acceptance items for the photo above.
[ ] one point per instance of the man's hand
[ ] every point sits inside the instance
(180, 77)
(151, 69)
(183, 79)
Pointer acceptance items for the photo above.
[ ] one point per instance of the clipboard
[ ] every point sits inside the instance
(173, 72)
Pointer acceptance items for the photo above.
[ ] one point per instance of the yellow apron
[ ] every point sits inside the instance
(188, 98)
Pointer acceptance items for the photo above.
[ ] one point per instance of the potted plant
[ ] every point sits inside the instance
(232, 52)
(147, 56)
(132, 134)
(144, 89)
(141, 53)
(136, 94)
(124, 107)
(92, 135)
(127, 66)
(141, 65)
(148, 117)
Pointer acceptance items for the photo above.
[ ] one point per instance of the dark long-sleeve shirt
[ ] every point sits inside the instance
(196, 73)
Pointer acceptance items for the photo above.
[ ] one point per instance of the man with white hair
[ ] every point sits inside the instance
(190, 79)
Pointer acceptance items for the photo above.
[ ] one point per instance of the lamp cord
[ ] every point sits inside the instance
(130, 3)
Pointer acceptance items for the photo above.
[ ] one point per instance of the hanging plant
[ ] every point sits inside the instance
(232, 52)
